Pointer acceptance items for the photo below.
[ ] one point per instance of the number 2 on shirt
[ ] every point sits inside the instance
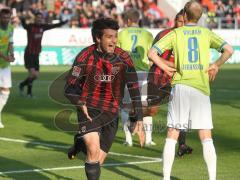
(134, 40)
(192, 49)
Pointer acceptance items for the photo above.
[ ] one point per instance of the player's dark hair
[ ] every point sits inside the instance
(193, 10)
(5, 11)
(100, 24)
(180, 13)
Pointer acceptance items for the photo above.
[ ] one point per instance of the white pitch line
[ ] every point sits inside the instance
(66, 147)
(32, 142)
(76, 167)
(136, 156)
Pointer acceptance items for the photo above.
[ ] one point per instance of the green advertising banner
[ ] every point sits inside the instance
(66, 55)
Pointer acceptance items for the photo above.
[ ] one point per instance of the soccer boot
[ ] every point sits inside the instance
(77, 147)
(184, 149)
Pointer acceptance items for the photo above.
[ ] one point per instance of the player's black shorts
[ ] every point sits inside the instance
(105, 123)
(31, 61)
(156, 95)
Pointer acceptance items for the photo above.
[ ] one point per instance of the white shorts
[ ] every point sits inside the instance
(189, 108)
(5, 77)
(142, 81)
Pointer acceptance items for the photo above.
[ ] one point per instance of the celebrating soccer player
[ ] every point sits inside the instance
(31, 56)
(95, 84)
(190, 104)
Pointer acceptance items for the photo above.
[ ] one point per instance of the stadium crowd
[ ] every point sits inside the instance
(222, 13)
(80, 13)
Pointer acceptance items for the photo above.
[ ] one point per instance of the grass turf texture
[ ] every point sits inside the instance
(32, 120)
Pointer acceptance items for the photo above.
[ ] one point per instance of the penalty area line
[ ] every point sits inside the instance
(77, 167)
(66, 147)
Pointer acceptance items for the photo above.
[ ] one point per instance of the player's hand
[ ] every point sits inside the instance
(85, 111)
(212, 71)
(139, 130)
(170, 71)
(169, 63)
(10, 58)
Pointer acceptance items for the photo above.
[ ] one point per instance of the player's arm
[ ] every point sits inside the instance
(75, 81)
(159, 36)
(10, 53)
(24, 25)
(158, 48)
(10, 47)
(220, 45)
(74, 85)
(52, 26)
(150, 43)
(9, 57)
(3, 56)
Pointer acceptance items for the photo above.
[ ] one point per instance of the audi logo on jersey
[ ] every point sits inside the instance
(104, 78)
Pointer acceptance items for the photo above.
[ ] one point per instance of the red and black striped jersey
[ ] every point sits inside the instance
(35, 34)
(156, 75)
(99, 79)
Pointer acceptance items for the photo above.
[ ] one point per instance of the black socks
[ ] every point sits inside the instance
(92, 170)
(27, 82)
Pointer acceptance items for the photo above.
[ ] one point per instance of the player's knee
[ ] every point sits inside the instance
(5, 90)
(101, 160)
(173, 133)
(102, 157)
(35, 76)
(93, 153)
(205, 134)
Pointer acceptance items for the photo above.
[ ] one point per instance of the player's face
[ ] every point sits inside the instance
(5, 19)
(179, 21)
(108, 41)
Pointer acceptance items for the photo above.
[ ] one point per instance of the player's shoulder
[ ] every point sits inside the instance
(89, 49)
(82, 56)
(148, 33)
(120, 52)
(123, 55)
(123, 31)
(162, 33)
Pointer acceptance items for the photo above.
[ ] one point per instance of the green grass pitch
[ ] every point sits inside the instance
(31, 147)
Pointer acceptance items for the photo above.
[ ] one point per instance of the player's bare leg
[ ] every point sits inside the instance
(169, 152)
(92, 165)
(4, 94)
(209, 152)
(102, 157)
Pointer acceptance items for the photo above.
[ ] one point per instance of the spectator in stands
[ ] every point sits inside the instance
(66, 14)
(220, 9)
(229, 8)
